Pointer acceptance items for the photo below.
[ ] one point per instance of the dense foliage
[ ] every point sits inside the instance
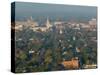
(45, 51)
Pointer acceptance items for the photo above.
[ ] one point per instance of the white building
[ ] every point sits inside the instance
(43, 28)
(32, 25)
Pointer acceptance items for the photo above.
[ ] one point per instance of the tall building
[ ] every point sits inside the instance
(48, 25)
(31, 22)
(93, 24)
(93, 21)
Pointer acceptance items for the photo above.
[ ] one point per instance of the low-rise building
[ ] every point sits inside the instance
(71, 64)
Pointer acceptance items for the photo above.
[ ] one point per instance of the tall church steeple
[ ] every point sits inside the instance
(30, 19)
(48, 25)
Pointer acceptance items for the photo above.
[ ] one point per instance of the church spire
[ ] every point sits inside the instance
(48, 25)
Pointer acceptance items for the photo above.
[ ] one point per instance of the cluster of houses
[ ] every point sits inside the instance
(33, 25)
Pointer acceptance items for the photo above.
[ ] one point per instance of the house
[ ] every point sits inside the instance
(71, 64)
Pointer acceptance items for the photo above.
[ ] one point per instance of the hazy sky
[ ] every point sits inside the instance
(26, 9)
